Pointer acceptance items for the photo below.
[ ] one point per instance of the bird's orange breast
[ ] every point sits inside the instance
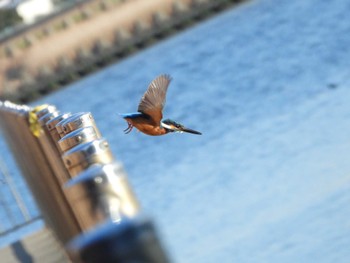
(147, 126)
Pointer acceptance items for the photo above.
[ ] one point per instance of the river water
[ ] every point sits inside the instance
(267, 83)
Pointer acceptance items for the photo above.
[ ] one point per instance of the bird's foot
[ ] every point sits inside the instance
(129, 128)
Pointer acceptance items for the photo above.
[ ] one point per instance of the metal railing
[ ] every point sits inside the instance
(81, 190)
(6, 179)
(14, 220)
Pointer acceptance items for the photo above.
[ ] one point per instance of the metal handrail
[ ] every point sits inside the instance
(81, 189)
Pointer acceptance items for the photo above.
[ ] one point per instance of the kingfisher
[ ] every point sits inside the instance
(148, 118)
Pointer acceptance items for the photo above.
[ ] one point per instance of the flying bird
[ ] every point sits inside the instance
(148, 119)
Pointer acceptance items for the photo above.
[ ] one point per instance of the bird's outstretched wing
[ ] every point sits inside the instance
(153, 101)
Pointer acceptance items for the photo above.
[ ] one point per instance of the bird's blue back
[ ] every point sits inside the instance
(131, 115)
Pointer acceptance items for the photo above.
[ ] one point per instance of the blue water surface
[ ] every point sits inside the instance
(269, 180)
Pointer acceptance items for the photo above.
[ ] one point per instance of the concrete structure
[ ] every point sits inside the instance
(72, 43)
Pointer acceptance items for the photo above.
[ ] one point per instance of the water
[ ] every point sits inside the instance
(269, 180)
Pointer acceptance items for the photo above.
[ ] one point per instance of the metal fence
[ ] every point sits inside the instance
(14, 211)
(81, 190)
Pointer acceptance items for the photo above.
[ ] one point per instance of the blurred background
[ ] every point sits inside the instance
(265, 81)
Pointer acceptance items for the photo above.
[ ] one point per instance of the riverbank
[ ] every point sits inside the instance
(88, 37)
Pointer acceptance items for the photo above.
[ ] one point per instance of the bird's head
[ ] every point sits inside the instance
(172, 126)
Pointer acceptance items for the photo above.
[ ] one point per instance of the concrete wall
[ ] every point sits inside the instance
(76, 41)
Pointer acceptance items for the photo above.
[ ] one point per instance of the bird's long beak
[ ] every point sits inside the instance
(177, 127)
(190, 131)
